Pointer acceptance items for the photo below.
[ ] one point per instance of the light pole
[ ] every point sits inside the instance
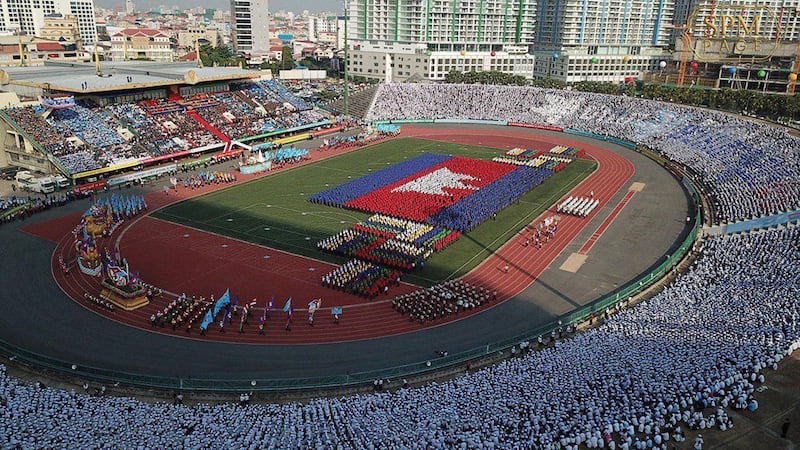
(346, 61)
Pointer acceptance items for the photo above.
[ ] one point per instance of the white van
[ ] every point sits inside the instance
(28, 182)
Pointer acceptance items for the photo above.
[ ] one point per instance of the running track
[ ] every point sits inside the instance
(200, 263)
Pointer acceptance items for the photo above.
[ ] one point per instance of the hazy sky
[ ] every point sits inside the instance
(274, 5)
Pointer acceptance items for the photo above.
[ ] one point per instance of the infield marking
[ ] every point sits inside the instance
(573, 263)
(635, 187)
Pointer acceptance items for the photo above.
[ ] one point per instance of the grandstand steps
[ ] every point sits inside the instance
(360, 103)
(208, 126)
(252, 103)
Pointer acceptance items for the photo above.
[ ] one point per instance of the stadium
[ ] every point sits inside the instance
(464, 266)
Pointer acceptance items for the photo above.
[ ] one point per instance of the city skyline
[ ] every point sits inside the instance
(296, 6)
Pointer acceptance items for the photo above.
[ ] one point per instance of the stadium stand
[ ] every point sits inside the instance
(360, 102)
(749, 168)
(88, 136)
(637, 380)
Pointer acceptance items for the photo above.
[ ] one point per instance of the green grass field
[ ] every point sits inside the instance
(273, 210)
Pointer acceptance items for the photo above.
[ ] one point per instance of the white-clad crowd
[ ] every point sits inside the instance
(751, 168)
(636, 381)
(639, 380)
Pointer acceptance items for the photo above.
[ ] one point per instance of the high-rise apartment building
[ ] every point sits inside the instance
(601, 40)
(250, 26)
(27, 16)
(429, 38)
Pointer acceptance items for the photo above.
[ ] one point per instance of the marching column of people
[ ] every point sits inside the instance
(442, 300)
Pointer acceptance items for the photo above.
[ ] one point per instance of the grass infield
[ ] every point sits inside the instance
(273, 210)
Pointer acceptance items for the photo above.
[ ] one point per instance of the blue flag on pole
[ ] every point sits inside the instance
(225, 299)
(207, 320)
(288, 305)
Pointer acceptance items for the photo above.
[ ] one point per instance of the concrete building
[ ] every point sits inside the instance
(141, 43)
(187, 37)
(37, 51)
(27, 16)
(250, 26)
(601, 40)
(61, 27)
(318, 25)
(130, 7)
(427, 39)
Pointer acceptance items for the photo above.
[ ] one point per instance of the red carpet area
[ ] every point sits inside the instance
(208, 263)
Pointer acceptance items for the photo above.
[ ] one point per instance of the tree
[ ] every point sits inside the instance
(287, 58)
(220, 56)
(454, 76)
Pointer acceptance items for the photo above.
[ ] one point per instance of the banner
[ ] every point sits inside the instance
(224, 300)
(207, 320)
(535, 125)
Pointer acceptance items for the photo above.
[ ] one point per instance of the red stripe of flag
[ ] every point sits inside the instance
(405, 198)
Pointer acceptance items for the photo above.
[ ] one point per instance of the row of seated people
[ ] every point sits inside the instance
(234, 116)
(149, 133)
(261, 95)
(53, 137)
(442, 300)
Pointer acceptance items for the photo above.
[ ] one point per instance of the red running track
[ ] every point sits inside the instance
(200, 264)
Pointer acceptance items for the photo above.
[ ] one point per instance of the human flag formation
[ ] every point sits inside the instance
(454, 192)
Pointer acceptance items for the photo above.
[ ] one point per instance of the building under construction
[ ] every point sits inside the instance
(742, 45)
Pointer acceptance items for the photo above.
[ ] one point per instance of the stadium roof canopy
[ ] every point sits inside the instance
(82, 78)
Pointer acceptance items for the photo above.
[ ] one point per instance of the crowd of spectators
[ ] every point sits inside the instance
(637, 380)
(442, 300)
(640, 379)
(88, 136)
(749, 168)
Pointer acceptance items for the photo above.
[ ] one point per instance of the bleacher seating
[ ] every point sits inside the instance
(359, 102)
(749, 169)
(636, 380)
(88, 136)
